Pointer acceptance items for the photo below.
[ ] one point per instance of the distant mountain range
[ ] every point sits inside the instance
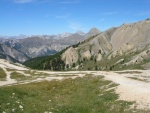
(123, 47)
(22, 48)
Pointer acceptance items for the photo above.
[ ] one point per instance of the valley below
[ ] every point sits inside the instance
(26, 90)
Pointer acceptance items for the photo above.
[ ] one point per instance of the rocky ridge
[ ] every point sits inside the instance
(22, 49)
(123, 47)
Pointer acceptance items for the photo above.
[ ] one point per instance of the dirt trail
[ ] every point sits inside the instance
(8, 79)
(130, 89)
(20, 69)
(5, 63)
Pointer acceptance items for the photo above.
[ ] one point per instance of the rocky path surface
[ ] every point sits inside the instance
(131, 89)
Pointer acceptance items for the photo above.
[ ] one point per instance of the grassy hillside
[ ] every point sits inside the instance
(82, 95)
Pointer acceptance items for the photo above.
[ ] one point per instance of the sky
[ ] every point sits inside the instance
(46, 17)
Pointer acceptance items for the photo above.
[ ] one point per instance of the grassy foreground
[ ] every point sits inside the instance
(82, 95)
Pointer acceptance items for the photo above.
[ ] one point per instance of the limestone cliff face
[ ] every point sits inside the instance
(70, 56)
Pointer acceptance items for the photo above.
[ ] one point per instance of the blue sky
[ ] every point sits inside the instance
(40, 17)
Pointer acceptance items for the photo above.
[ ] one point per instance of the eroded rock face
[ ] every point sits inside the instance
(125, 48)
(128, 39)
(70, 56)
(97, 46)
(86, 54)
(99, 57)
(136, 33)
(140, 57)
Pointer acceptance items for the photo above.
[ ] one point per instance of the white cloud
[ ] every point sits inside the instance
(70, 2)
(110, 13)
(31, 1)
(23, 1)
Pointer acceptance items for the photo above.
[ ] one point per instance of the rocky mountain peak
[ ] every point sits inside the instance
(94, 30)
(65, 34)
(80, 33)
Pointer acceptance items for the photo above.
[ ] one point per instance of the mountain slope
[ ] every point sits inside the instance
(37, 46)
(124, 47)
(11, 54)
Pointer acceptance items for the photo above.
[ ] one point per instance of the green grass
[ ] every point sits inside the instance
(30, 72)
(66, 75)
(9, 69)
(17, 76)
(36, 74)
(2, 74)
(33, 75)
(82, 95)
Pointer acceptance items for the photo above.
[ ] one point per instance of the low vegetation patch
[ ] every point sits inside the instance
(17, 76)
(29, 72)
(81, 95)
(9, 69)
(135, 78)
(139, 79)
(2, 74)
(130, 72)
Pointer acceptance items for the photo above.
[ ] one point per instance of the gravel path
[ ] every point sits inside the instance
(130, 89)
